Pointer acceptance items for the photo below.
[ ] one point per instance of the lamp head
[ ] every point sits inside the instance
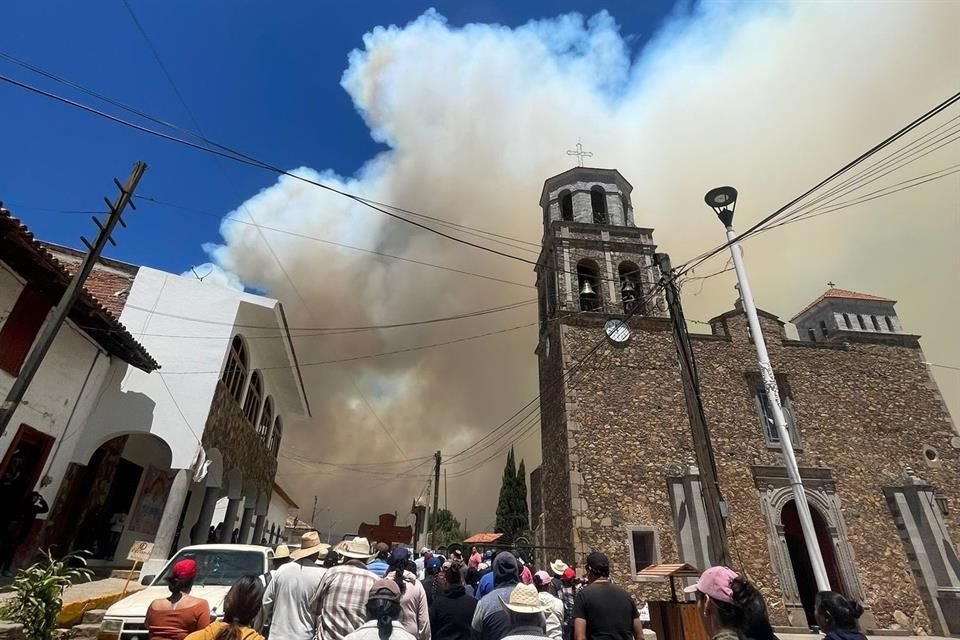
(723, 200)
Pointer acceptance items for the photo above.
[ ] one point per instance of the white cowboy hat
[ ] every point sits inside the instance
(558, 566)
(524, 599)
(310, 545)
(282, 551)
(358, 549)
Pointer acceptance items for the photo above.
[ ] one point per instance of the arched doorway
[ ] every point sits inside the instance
(800, 559)
(115, 494)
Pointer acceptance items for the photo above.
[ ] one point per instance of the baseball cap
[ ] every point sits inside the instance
(184, 569)
(568, 575)
(399, 554)
(597, 560)
(541, 577)
(385, 590)
(715, 582)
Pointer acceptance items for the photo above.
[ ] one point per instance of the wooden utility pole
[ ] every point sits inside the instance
(702, 445)
(59, 314)
(436, 499)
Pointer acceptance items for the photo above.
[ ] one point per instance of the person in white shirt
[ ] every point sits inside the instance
(383, 615)
(288, 597)
(554, 613)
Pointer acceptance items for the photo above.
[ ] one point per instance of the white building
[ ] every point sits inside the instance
(90, 348)
(150, 452)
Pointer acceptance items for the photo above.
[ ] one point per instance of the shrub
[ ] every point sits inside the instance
(38, 593)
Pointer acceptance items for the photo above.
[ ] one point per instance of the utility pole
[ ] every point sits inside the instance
(59, 314)
(436, 499)
(313, 516)
(446, 492)
(702, 445)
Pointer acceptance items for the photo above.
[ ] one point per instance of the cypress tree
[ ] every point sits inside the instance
(522, 521)
(507, 501)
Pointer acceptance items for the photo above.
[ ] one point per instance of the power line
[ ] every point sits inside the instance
(317, 331)
(374, 355)
(373, 411)
(237, 156)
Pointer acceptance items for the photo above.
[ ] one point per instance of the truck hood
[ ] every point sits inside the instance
(135, 605)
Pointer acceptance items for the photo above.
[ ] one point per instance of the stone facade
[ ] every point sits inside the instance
(229, 431)
(616, 443)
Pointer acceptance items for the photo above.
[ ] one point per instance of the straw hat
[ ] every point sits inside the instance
(524, 599)
(357, 549)
(282, 551)
(310, 545)
(558, 566)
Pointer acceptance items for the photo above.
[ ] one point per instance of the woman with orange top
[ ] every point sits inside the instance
(174, 617)
(240, 609)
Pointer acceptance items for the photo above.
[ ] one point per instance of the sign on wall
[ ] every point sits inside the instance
(152, 499)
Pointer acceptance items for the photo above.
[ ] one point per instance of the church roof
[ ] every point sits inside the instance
(587, 172)
(842, 294)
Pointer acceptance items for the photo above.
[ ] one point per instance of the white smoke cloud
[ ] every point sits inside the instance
(769, 98)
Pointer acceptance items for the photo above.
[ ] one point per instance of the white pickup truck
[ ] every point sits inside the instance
(218, 567)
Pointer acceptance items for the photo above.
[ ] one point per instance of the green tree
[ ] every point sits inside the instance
(523, 510)
(506, 504)
(448, 528)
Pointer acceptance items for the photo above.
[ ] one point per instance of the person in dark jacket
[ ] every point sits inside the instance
(838, 616)
(432, 584)
(452, 610)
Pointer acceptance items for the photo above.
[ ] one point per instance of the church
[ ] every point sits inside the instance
(879, 454)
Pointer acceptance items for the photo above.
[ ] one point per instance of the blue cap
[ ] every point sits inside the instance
(435, 563)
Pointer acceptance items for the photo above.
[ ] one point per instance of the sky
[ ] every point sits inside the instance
(460, 111)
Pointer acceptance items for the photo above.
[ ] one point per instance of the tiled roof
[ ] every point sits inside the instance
(844, 294)
(483, 538)
(38, 265)
(109, 282)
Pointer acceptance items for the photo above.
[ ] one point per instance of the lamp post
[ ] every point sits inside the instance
(723, 201)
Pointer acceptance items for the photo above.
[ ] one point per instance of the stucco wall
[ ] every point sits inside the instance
(57, 389)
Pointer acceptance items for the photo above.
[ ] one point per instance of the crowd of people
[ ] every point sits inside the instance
(347, 592)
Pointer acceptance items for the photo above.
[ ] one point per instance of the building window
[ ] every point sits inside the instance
(598, 202)
(876, 323)
(889, 323)
(277, 435)
(566, 206)
(251, 406)
(812, 334)
(630, 287)
(823, 329)
(863, 325)
(588, 282)
(643, 548)
(235, 371)
(846, 321)
(765, 412)
(21, 328)
(266, 421)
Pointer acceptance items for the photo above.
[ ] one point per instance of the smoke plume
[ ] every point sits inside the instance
(768, 98)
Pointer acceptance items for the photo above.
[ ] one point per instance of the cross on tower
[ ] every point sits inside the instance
(580, 153)
(831, 285)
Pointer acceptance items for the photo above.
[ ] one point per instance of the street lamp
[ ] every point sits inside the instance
(723, 201)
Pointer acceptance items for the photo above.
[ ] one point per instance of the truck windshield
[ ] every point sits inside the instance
(216, 567)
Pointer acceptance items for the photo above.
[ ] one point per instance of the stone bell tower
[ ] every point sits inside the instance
(595, 265)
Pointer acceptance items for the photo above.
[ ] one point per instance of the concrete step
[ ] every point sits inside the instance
(94, 616)
(85, 632)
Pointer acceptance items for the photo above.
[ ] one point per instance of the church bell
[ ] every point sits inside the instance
(586, 289)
